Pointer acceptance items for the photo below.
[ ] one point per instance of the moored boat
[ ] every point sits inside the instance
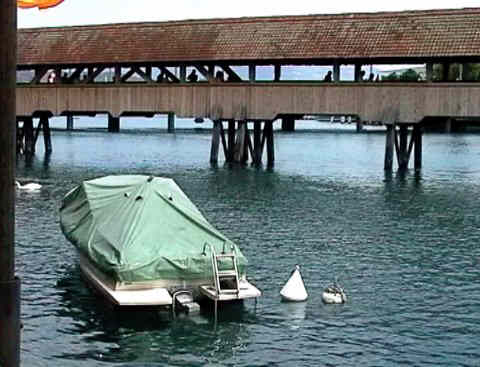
(141, 241)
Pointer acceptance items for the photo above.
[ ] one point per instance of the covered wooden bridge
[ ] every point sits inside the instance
(149, 68)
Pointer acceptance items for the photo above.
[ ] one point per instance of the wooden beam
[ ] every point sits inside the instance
(183, 73)
(39, 73)
(93, 73)
(268, 130)
(277, 72)
(171, 76)
(204, 71)
(144, 75)
(240, 142)
(231, 140)
(336, 72)
(232, 75)
(257, 143)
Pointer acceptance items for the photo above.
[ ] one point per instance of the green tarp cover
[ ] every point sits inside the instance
(140, 228)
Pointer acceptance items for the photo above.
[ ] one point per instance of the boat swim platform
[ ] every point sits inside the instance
(154, 296)
(246, 290)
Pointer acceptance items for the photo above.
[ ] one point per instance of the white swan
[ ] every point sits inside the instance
(32, 186)
(334, 294)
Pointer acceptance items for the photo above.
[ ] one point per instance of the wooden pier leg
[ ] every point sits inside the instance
(215, 142)
(29, 136)
(359, 126)
(231, 140)
(403, 159)
(20, 145)
(389, 145)
(240, 142)
(268, 132)
(257, 143)
(171, 122)
(248, 149)
(46, 133)
(288, 123)
(69, 122)
(418, 132)
(113, 124)
(9, 285)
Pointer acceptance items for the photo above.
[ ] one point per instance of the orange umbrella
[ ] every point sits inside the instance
(41, 4)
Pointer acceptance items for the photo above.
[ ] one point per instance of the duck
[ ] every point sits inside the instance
(334, 294)
(32, 186)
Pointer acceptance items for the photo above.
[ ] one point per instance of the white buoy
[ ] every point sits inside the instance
(294, 290)
(29, 186)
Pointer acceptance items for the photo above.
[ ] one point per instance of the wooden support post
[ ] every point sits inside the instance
(403, 156)
(183, 73)
(171, 122)
(231, 140)
(29, 136)
(277, 72)
(118, 75)
(268, 133)
(247, 147)
(222, 140)
(359, 125)
(47, 140)
(288, 123)
(445, 71)
(429, 71)
(358, 72)
(257, 143)
(240, 142)
(113, 124)
(389, 145)
(69, 122)
(9, 285)
(215, 142)
(252, 73)
(417, 136)
(20, 139)
(336, 72)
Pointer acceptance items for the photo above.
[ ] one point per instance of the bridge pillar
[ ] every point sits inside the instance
(402, 147)
(241, 148)
(268, 136)
(359, 126)
(215, 141)
(403, 156)
(417, 138)
(288, 123)
(69, 122)
(171, 122)
(29, 136)
(44, 123)
(113, 124)
(389, 144)
(231, 141)
(257, 144)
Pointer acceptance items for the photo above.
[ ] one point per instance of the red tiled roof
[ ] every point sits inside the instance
(389, 35)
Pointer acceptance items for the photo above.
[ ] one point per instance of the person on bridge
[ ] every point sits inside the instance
(192, 77)
(328, 77)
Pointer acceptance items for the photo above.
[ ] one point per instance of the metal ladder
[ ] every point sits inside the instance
(225, 274)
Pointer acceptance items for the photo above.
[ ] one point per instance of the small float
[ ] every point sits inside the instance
(334, 294)
(294, 290)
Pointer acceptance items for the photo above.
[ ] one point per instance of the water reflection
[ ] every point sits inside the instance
(146, 334)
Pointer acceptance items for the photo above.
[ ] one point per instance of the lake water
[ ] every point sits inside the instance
(404, 246)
